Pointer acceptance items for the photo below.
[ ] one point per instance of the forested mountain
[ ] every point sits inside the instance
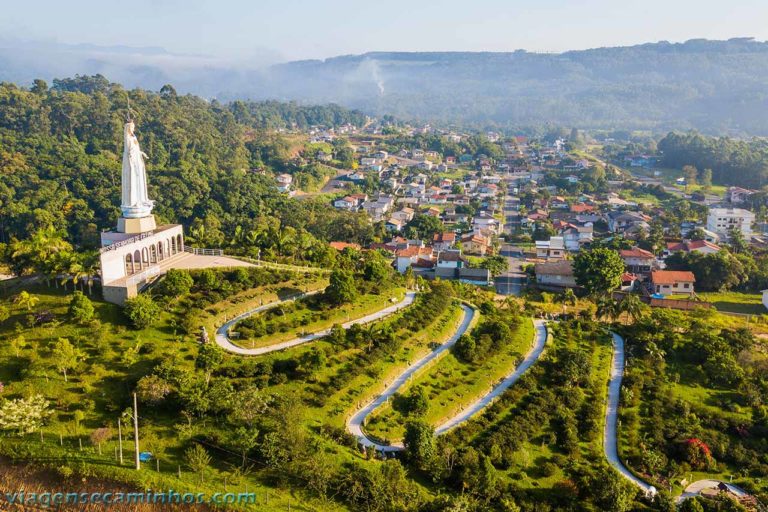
(716, 87)
(60, 150)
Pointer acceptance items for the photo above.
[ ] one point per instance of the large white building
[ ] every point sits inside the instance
(722, 220)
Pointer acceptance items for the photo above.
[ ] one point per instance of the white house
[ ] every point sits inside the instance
(284, 182)
(669, 282)
(552, 249)
(722, 220)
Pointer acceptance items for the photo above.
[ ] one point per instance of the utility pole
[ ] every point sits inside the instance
(136, 431)
(120, 439)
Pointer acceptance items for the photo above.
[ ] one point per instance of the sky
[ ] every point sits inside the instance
(258, 30)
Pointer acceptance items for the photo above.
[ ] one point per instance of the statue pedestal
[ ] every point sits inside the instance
(136, 226)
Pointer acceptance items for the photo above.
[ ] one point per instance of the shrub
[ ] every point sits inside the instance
(142, 311)
(80, 308)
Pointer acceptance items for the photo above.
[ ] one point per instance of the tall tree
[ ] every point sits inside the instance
(598, 270)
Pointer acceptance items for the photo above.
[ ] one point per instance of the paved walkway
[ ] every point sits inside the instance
(222, 338)
(539, 341)
(355, 423)
(610, 436)
(695, 489)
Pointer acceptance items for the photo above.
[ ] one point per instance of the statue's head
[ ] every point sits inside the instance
(129, 127)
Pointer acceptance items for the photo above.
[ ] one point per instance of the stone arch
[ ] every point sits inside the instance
(130, 266)
(179, 243)
(173, 245)
(136, 260)
(152, 254)
(144, 257)
(160, 251)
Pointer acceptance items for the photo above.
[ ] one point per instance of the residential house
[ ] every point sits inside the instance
(426, 165)
(628, 281)
(451, 259)
(722, 220)
(583, 208)
(351, 202)
(552, 249)
(559, 203)
(284, 182)
(621, 221)
(404, 215)
(638, 261)
(688, 246)
(476, 244)
(340, 246)
(738, 195)
(576, 237)
(668, 282)
(557, 275)
(412, 255)
(395, 225)
(444, 241)
(378, 207)
(491, 224)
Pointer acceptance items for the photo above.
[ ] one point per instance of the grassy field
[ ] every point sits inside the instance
(310, 316)
(452, 384)
(114, 356)
(735, 302)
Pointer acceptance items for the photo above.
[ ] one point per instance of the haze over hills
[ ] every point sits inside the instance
(713, 86)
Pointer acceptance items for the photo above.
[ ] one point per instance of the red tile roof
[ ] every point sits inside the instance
(691, 246)
(636, 252)
(581, 208)
(340, 246)
(409, 252)
(448, 236)
(672, 277)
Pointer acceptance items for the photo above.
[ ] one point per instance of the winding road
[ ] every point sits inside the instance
(357, 420)
(610, 436)
(222, 338)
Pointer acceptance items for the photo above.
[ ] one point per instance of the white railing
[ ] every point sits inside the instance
(127, 241)
(143, 276)
(204, 252)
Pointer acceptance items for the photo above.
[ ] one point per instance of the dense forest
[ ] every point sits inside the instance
(733, 162)
(209, 165)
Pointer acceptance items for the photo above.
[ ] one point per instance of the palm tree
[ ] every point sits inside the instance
(607, 307)
(91, 264)
(43, 251)
(632, 306)
(25, 300)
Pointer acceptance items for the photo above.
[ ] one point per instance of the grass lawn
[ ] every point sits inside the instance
(114, 357)
(452, 384)
(735, 302)
(308, 318)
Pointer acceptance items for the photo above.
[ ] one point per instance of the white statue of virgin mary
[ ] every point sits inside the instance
(135, 202)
